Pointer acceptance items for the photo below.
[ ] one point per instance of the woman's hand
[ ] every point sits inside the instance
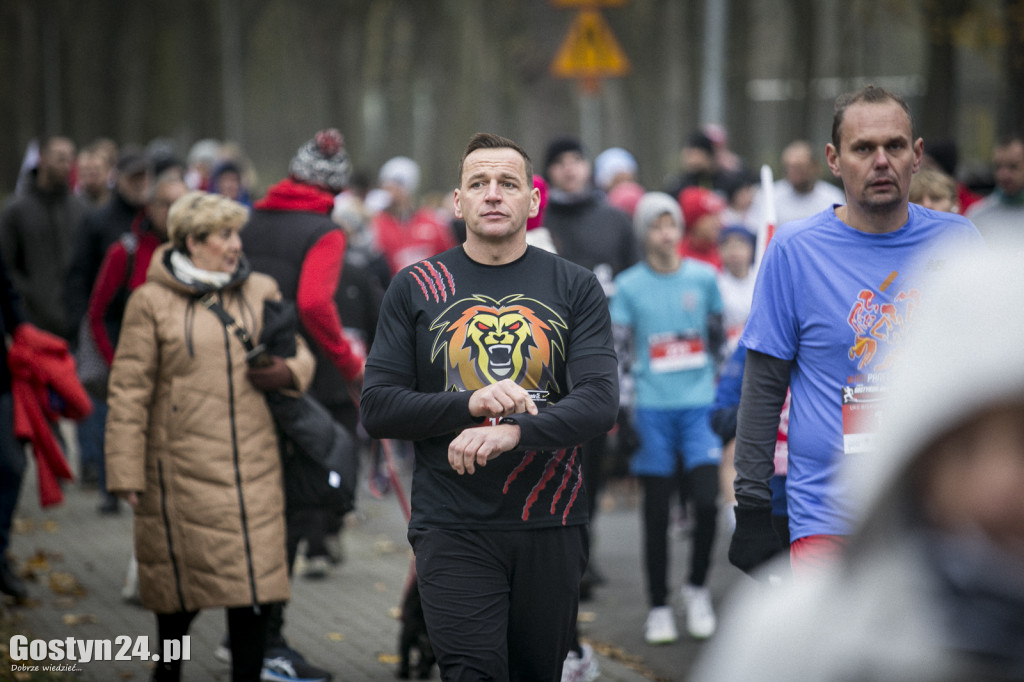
(272, 377)
(131, 497)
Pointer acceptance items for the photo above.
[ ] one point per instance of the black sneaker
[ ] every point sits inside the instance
(109, 505)
(287, 665)
(11, 584)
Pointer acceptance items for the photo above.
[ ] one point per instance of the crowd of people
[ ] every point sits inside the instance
(548, 330)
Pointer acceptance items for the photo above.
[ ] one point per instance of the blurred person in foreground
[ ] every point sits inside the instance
(834, 299)
(190, 441)
(471, 361)
(931, 583)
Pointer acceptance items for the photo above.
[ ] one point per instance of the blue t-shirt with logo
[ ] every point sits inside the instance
(838, 303)
(668, 316)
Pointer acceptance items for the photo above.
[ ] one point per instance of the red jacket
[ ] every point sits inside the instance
(319, 274)
(112, 277)
(45, 386)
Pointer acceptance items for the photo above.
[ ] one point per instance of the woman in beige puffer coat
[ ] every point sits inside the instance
(190, 442)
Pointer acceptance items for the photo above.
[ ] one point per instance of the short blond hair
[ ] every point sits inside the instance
(198, 214)
(932, 184)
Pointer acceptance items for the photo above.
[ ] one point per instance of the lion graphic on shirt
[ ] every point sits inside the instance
(486, 340)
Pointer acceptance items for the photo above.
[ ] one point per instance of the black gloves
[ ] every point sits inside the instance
(272, 377)
(754, 541)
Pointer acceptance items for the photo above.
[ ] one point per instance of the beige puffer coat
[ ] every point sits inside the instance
(189, 432)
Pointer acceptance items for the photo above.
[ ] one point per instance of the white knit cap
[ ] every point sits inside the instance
(401, 171)
(650, 207)
(610, 163)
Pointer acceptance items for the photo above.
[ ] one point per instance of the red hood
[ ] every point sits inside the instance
(289, 195)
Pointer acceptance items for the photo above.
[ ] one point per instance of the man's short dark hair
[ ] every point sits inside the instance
(49, 139)
(868, 95)
(1008, 139)
(491, 141)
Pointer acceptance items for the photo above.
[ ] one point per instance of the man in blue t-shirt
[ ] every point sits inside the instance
(834, 298)
(670, 309)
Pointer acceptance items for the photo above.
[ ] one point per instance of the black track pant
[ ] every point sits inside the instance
(246, 629)
(659, 493)
(500, 605)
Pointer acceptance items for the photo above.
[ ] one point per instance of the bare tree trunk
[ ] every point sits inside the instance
(805, 52)
(375, 111)
(1012, 115)
(232, 71)
(738, 115)
(937, 118)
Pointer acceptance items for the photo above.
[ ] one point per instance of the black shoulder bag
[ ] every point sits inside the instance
(320, 457)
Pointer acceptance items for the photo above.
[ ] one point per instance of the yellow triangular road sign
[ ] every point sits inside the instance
(588, 3)
(590, 50)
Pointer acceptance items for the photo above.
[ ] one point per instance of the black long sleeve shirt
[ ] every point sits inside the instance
(449, 326)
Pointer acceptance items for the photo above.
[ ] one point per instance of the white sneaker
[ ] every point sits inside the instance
(316, 567)
(660, 627)
(727, 517)
(581, 668)
(700, 614)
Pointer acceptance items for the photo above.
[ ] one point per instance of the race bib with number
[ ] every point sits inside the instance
(672, 352)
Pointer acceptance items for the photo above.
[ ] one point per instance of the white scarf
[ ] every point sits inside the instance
(187, 272)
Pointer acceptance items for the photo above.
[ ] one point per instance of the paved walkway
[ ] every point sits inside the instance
(346, 622)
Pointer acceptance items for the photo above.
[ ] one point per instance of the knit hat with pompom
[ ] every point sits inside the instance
(322, 162)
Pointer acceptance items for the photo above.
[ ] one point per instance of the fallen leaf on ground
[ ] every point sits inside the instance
(72, 619)
(38, 563)
(385, 546)
(66, 583)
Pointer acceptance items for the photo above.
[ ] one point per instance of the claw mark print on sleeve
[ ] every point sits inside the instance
(570, 474)
(434, 280)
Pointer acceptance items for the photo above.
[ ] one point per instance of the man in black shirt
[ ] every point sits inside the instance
(496, 359)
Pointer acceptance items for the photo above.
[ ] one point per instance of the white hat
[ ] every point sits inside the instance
(611, 162)
(651, 207)
(401, 171)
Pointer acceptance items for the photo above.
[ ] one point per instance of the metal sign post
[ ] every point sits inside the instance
(589, 54)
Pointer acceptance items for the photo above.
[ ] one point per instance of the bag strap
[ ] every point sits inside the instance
(211, 303)
(130, 244)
